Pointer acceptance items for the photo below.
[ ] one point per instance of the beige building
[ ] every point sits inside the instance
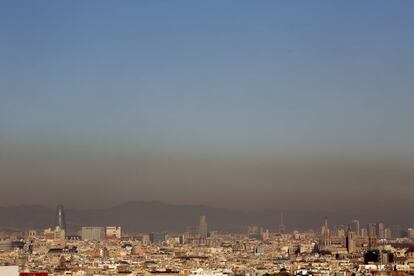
(113, 232)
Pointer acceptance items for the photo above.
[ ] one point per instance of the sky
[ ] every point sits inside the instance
(235, 104)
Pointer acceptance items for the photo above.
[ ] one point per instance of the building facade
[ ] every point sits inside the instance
(93, 233)
(113, 232)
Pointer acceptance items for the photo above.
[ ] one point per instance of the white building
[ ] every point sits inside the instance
(56, 234)
(9, 270)
(113, 232)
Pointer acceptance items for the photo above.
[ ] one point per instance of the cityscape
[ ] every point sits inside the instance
(353, 249)
(206, 138)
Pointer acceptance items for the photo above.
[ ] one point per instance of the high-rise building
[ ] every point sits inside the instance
(325, 236)
(364, 233)
(411, 233)
(355, 227)
(265, 234)
(372, 236)
(350, 241)
(387, 234)
(202, 227)
(253, 232)
(60, 217)
(93, 233)
(381, 228)
(340, 232)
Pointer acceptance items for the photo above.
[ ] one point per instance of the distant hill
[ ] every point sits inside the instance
(26, 216)
(146, 216)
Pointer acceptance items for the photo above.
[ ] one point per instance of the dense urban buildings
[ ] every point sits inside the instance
(99, 250)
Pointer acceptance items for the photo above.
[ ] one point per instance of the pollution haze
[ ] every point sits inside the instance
(241, 105)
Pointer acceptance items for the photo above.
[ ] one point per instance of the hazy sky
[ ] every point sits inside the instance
(241, 104)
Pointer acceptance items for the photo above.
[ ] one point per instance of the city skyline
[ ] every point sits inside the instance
(376, 248)
(157, 216)
(206, 138)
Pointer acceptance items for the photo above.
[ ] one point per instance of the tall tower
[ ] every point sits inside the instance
(202, 227)
(381, 230)
(372, 236)
(282, 227)
(350, 241)
(60, 217)
(355, 227)
(325, 236)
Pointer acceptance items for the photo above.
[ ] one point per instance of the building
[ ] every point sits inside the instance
(265, 234)
(5, 245)
(387, 234)
(113, 232)
(372, 236)
(411, 233)
(31, 234)
(253, 232)
(203, 228)
(356, 228)
(350, 241)
(145, 239)
(340, 233)
(9, 270)
(157, 237)
(410, 252)
(93, 233)
(381, 231)
(138, 250)
(60, 217)
(34, 274)
(325, 236)
(364, 233)
(56, 234)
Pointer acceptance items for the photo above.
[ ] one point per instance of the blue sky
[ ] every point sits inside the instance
(255, 77)
(222, 72)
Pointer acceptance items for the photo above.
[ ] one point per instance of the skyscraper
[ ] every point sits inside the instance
(355, 227)
(202, 227)
(60, 217)
(350, 241)
(372, 236)
(364, 232)
(381, 231)
(325, 236)
(387, 234)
